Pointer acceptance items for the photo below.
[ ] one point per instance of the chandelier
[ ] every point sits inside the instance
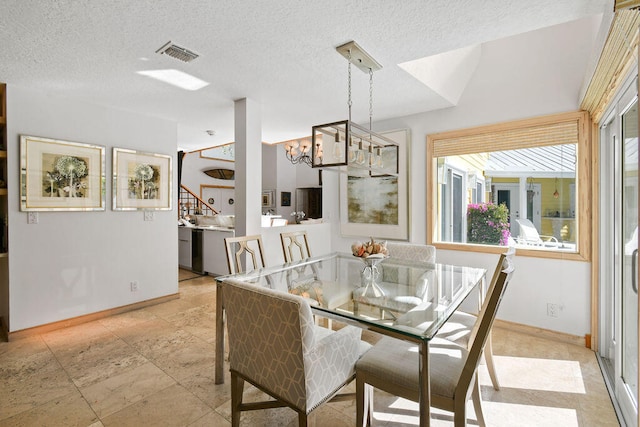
(298, 151)
(345, 144)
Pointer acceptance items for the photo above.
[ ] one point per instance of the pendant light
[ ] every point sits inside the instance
(353, 145)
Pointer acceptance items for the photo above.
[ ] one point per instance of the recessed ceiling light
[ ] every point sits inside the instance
(176, 78)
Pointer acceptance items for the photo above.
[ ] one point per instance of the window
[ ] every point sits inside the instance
(518, 183)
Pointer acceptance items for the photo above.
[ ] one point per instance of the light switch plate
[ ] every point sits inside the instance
(32, 217)
(148, 215)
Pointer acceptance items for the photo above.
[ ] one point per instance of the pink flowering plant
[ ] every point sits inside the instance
(488, 224)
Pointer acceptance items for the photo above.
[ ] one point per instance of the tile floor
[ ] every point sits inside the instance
(154, 367)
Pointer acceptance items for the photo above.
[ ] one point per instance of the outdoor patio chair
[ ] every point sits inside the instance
(529, 235)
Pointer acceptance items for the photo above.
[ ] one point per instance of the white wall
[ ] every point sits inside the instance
(536, 281)
(74, 263)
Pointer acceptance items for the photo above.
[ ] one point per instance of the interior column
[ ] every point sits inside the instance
(248, 166)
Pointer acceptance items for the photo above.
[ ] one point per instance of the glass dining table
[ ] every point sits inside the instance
(405, 299)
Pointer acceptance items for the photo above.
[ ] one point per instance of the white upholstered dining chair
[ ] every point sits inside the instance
(393, 365)
(412, 251)
(274, 345)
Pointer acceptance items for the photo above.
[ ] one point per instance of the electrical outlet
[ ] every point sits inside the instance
(148, 215)
(32, 217)
(552, 310)
(134, 285)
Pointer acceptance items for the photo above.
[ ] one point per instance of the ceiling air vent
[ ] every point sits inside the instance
(177, 52)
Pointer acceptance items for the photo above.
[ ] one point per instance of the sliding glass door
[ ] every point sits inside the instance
(618, 347)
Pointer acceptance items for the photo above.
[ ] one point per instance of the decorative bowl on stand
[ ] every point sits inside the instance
(370, 276)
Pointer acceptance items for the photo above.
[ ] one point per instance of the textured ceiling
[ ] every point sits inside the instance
(278, 53)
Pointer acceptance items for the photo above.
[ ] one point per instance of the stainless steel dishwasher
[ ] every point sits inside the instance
(197, 264)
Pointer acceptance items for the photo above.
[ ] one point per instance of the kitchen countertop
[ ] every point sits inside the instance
(207, 227)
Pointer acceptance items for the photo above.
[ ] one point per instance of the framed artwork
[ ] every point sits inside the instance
(58, 175)
(378, 205)
(141, 180)
(285, 198)
(267, 198)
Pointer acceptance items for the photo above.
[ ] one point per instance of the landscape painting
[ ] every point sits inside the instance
(378, 205)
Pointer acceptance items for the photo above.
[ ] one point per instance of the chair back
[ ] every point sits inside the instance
(251, 245)
(412, 251)
(480, 333)
(295, 246)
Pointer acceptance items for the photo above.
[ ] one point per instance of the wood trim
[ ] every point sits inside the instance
(3, 103)
(595, 236)
(37, 330)
(542, 333)
(489, 249)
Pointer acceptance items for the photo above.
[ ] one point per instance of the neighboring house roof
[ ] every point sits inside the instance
(539, 161)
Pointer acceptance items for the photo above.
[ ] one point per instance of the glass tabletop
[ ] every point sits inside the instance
(404, 297)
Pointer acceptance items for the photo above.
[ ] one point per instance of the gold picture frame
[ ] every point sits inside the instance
(57, 175)
(141, 181)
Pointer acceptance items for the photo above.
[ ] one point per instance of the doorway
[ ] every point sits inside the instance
(509, 194)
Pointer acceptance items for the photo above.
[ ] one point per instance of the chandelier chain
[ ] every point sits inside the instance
(370, 98)
(349, 84)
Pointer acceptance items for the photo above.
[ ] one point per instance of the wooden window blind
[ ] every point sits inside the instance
(626, 4)
(618, 55)
(540, 132)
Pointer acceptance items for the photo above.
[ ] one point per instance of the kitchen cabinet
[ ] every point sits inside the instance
(184, 247)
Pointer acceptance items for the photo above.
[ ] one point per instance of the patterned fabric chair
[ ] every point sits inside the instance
(274, 345)
(404, 302)
(392, 365)
(411, 251)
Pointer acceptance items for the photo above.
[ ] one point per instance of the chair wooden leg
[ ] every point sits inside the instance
(477, 402)
(491, 367)
(237, 388)
(306, 420)
(460, 413)
(364, 403)
(361, 402)
(369, 407)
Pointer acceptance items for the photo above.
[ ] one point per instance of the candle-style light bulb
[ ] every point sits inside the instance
(361, 157)
(379, 161)
(337, 147)
(352, 151)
